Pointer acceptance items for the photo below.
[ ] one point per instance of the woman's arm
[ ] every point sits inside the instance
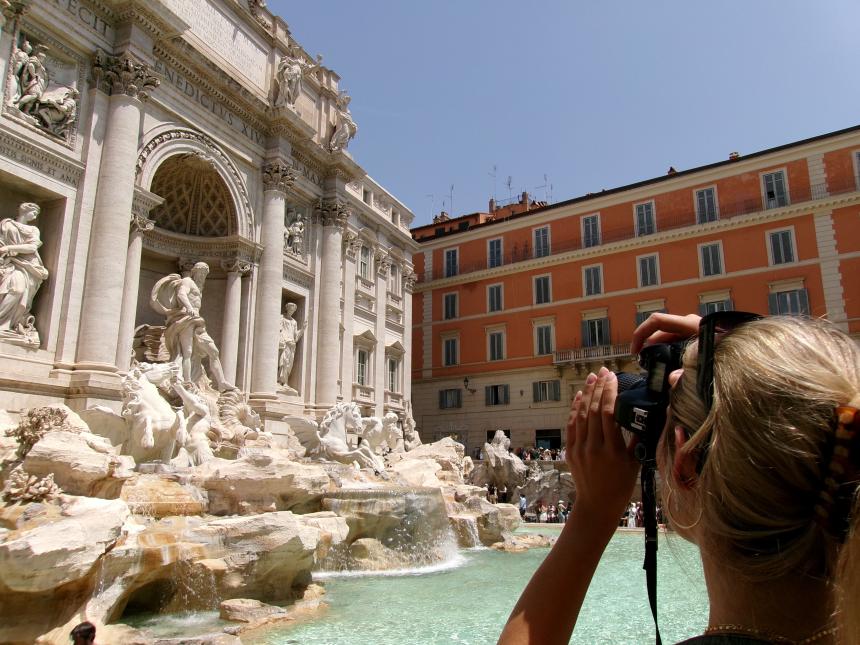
(604, 472)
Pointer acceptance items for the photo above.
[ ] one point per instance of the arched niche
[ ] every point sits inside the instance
(186, 147)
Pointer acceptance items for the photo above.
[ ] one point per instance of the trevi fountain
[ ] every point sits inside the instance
(205, 317)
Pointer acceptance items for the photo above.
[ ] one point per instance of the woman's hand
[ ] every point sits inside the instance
(601, 463)
(664, 328)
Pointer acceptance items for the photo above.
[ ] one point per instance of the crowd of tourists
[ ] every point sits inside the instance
(530, 453)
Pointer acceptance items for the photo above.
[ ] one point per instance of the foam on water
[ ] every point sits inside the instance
(454, 562)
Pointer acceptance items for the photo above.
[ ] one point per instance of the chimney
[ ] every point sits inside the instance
(734, 156)
(671, 171)
(492, 205)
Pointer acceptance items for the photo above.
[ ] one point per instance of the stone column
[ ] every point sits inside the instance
(409, 279)
(333, 214)
(129, 83)
(140, 223)
(235, 269)
(278, 177)
(383, 266)
(351, 244)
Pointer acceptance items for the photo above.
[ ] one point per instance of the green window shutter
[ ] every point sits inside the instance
(803, 298)
(607, 339)
(488, 395)
(586, 341)
(507, 398)
(441, 399)
(556, 390)
(536, 392)
(773, 304)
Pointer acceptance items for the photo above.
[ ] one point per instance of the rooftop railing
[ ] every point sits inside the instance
(725, 211)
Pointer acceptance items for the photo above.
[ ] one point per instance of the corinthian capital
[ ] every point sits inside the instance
(236, 265)
(278, 176)
(351, 243)
(333, 212)
(141, 223)
(123, 75)
(409, 280)
(383, 263)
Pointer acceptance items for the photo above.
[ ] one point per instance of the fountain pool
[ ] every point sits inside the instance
(468, 601)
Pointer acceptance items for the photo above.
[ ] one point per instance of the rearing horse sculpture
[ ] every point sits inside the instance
(332, 442)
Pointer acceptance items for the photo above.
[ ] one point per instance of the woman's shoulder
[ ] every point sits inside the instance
(724, 639)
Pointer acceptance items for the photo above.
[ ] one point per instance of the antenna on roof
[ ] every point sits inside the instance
(493, 175)
(509, 182)
(432, 198)
(452, 200)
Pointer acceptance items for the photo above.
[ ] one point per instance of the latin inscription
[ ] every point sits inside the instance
(17, 151)
(224, 36)
(205, 100)
(86, 16)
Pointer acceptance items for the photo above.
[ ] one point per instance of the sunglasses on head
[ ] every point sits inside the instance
(712, 328)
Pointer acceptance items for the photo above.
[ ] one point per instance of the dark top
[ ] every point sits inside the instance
(725, 639)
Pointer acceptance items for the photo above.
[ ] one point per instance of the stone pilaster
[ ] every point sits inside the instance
(278, 178)
(351, 244)
(333, 215)
(235, 268)
(128, 83)
(383, 266)
(409, 279)
(140, 223)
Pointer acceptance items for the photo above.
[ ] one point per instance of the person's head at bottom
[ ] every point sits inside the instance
(765, 481)
(84, 634)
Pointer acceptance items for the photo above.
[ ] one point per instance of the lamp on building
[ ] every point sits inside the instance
(466, 385)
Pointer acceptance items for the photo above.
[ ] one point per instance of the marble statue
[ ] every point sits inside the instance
(17, 63)
(58, 109)
(185, 335)
(290, 335)
(53, 108)
(295, 236)
(411, 438)
(382, 434)
(331, 443)
(346, 128)
(292, 70)
(21, 275)
(156, 430)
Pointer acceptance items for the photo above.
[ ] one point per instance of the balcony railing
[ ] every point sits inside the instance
(727, 210)
(591, 354)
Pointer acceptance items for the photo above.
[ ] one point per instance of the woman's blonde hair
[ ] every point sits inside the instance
(764, 450)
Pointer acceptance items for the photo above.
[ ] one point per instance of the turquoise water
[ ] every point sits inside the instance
(470, 602)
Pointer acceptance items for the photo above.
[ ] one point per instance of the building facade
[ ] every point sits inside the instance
(154, 135)
(511, 313)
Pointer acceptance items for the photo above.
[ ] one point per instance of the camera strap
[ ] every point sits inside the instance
(649, 510)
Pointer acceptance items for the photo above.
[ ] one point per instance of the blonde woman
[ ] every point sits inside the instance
(760, 460)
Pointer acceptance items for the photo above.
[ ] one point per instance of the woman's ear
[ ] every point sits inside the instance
(684, 466)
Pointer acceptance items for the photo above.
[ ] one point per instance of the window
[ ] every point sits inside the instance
(494, 253)
(494, 298)
(496, 341)
(361, 372)
(711, 258)
(394, 280)
(543, 338)
(794, 302)
(450, 262)
(548, 439)
(713, 306)
(775, 193)
(781, 246)
(497, 395)
(546, 391)
(450, 305)
(541, 236)
(452, 398)
(393, 370)
(645, 219)
(451, 351)
(365, 195)
(364, 262)
(542, 290)
(595, 332)
(590, 230)
(648, 275)
(706, 205)
(593, 280)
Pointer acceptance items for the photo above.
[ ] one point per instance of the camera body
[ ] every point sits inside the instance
(642, 400)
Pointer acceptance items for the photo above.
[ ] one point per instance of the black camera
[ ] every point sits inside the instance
(642, 399)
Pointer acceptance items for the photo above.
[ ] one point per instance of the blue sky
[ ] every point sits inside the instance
(591, 94)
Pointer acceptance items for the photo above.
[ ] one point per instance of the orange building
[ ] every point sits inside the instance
(512, 311)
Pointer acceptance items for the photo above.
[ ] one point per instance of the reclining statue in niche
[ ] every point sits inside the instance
(185, 335)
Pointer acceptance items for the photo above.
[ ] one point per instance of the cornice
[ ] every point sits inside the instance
(65, 170)
(647, 241)
(221, 248)
(153, 17)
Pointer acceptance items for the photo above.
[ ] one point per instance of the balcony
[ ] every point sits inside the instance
(362, 393)
(582, 356)
(727, 210)
(393, 400)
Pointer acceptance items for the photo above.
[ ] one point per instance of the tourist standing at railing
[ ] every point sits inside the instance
(760, 465)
